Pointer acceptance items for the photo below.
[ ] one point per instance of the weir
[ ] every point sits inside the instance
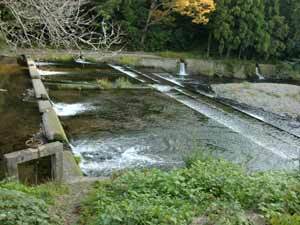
(281, 142)
(110, 130)
(63, 166)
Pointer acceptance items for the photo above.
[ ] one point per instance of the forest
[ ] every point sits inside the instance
(244, 29)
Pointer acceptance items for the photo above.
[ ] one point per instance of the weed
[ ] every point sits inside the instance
(105, 84)
(214, 188)
(123, 83)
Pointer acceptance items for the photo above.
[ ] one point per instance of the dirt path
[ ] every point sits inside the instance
(68, 206)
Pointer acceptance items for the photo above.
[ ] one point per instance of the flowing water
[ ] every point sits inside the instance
(118, 129)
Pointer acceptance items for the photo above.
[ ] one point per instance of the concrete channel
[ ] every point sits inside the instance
(63, 164)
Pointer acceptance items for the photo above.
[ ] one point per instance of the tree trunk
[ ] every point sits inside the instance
(240, 52)
(146, 28)
(228, 52)
(208, 44)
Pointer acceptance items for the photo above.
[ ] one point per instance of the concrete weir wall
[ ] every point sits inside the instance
(52, 127)
(63, 165)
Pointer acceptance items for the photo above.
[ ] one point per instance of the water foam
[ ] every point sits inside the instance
(118, 157)
(63, 109)
(49, 73)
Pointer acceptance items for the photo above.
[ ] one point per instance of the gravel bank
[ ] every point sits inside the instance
(282, 99)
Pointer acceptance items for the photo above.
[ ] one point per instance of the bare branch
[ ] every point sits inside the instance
(59, 24)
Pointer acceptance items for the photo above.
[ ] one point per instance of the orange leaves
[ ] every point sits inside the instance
(197, 9)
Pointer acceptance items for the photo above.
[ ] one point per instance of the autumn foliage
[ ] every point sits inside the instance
(197, 9)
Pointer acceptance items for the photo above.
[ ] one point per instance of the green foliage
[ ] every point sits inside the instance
(285, 220)
(178, 55)
(123, 83)
(105, 84)
(119, 83)
(20, 204)
(45, 192)
(129, 60)
(77, 159)
(213, 188)
(19, 208)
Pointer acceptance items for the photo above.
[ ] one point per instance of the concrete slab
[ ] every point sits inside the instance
(71, 170)
(44, 106)
(33, 71)
(39, 89)
(55, 149)
(52, 127)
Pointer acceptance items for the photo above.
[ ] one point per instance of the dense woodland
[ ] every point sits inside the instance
(262, 29)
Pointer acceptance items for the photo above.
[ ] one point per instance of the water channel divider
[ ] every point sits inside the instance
(63, 164)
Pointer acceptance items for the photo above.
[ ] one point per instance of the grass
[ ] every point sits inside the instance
(214, 189)
(105, 84)
(46, 192)
(123, 82)
(20, 204)
(184, 55)
(129, 60)
(120, 83)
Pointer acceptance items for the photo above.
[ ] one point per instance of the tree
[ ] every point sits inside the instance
(57, 23)
(277, 28)
(197, 9)
(158, 12)
(291, 11)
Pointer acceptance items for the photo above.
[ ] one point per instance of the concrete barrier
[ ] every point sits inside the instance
(33, 71)
(52, 127)
(55, 150)
(44, 106)
(39, 89)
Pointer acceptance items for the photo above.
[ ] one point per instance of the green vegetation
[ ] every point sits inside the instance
(238, 28)
(184, 55)
(128, 60)
(123, 82)
(20, 204)
(219, 191)
(120, 83)
(105, 84)
(244, 29)
(77, 159)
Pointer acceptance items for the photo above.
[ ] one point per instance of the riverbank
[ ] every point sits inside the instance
(281, 99)
(207, 191)
(225, 68)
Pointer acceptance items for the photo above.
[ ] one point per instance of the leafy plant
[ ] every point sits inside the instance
(20, 204)
(214, 188)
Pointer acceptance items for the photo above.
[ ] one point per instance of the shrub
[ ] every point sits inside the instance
(20, 204)
(20, 208)
(214, 188)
